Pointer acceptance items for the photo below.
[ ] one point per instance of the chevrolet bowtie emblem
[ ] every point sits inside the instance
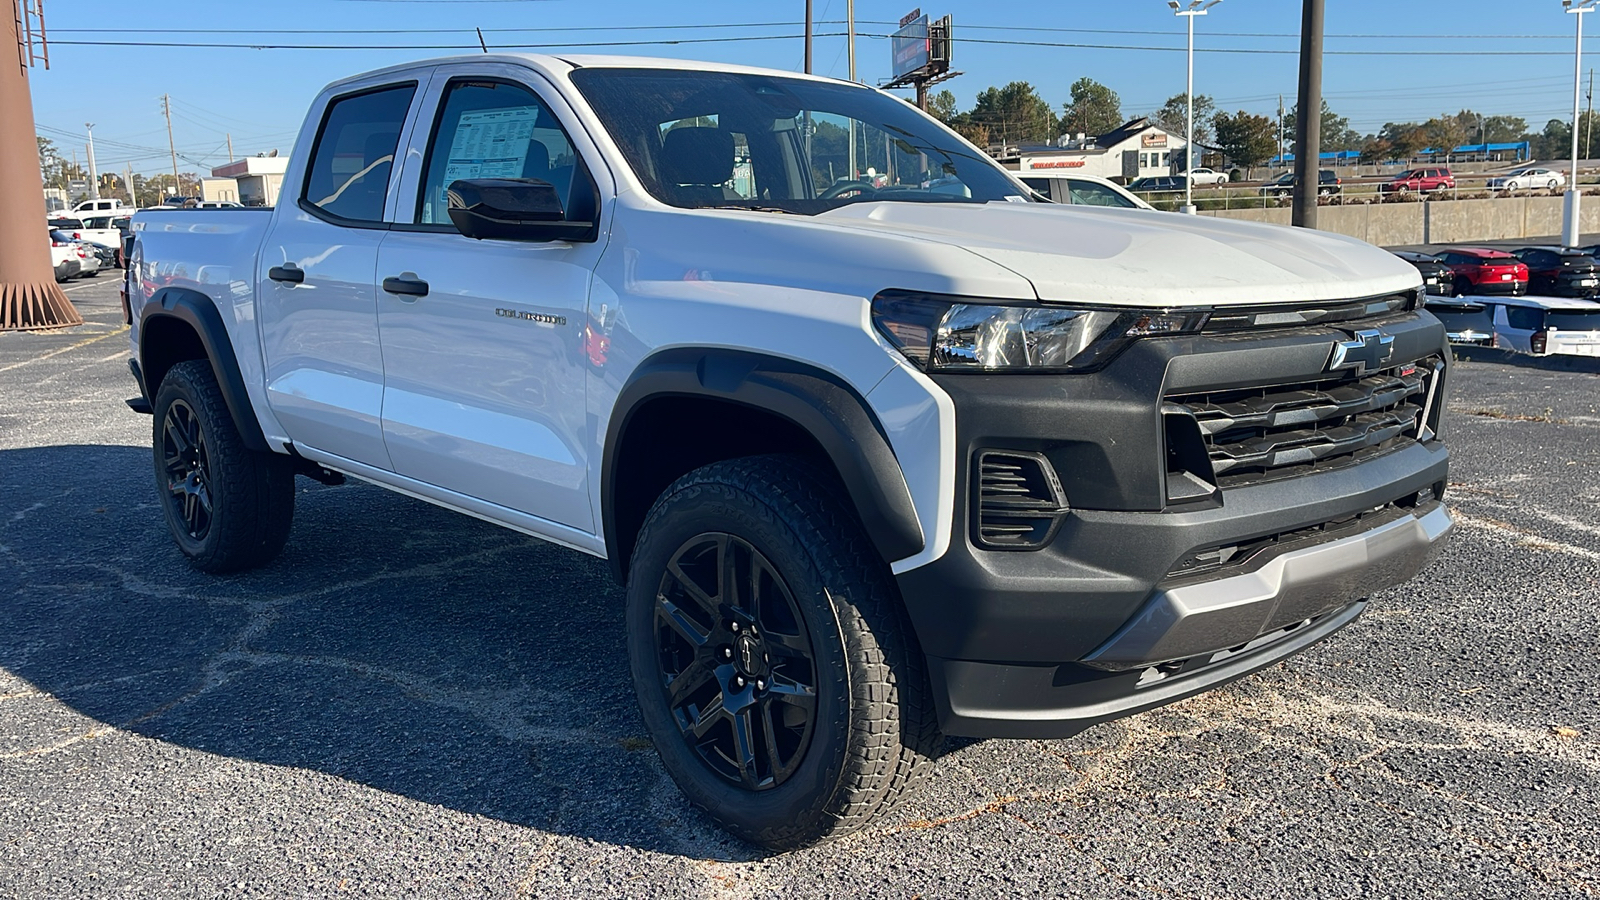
(1368, 352)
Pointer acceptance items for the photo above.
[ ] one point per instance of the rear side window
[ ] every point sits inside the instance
(354, 155)
(1524, 318)
(494, 129)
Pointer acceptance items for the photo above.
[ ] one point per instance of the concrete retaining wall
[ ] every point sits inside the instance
(1435, 221)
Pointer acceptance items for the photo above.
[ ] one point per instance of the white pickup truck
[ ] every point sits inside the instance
(878, 457)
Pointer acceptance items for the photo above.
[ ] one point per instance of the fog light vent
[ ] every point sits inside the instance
(1018, 498)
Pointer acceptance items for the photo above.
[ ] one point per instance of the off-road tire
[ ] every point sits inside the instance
(251, 493)
(874, 734)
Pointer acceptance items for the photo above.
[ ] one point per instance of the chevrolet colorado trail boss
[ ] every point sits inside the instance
(882, 444)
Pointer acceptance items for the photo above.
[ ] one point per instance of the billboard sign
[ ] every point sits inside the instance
(910, 46)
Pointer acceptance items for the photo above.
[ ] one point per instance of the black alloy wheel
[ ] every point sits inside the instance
(228, 507)
(187, 464)
(736, 661)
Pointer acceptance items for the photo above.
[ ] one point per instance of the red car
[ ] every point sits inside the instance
(1479, 270)
(1419, 181)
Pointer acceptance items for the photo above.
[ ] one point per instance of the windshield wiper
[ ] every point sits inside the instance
(768, 209)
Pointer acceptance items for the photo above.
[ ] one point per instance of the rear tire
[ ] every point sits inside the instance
(228, 507)
(822, 722)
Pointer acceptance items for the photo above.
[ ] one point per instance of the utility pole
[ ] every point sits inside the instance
(230, 148)
(166, 106)
(1308, 121)
(127, 182)
(1589, 125)
(1573, 201)
(850, 49)
(808, 37)
(94, 175)
(1280, 129)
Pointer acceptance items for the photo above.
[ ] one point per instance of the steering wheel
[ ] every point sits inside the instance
(848, 187)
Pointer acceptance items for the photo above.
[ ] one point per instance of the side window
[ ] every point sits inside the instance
(1523, 318)
(493, 129)
(354, 154)
(1042, 185)
(1088, 193)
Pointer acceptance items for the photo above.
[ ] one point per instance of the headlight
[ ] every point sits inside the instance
(954, 334)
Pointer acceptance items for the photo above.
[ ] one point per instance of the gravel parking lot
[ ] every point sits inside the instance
(413, 703)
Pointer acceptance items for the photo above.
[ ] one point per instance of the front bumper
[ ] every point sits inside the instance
(1046, 641)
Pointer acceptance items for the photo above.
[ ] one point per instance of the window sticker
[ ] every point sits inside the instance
(489, 143)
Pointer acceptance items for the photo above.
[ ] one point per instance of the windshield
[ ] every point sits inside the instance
(721, 139)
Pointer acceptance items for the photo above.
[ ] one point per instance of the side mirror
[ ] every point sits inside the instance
(512, 209)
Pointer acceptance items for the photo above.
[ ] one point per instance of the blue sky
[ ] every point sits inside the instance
(1438, 57)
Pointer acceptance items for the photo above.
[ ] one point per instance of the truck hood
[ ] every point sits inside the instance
(1123, 257)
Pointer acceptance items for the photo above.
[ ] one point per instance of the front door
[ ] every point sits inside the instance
(318, 308)
(482, 339)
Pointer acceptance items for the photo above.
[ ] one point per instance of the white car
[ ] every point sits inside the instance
(1208, 176)
(1529, 178)
(1547, 326)
(65, 260)
(106, 205)
(99, 229)
(1082, 190)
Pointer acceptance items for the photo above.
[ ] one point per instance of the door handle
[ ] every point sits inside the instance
(288, 273)
(411, 287)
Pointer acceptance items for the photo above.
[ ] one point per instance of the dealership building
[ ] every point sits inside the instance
(1138, 149)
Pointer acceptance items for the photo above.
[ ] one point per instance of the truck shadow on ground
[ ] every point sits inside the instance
(393, 644)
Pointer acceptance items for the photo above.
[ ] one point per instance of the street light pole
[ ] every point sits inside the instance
(1195, 8)
(1574, 199)
(94, 176)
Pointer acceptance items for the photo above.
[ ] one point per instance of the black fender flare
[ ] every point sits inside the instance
(197, 311)
(820, 403)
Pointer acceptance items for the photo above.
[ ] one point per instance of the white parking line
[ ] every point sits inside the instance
(79, 287)
(66, 349)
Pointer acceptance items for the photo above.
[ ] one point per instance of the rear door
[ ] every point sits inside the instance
(484, 374)
(314, 275)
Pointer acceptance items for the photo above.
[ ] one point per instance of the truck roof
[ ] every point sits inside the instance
(568, 62)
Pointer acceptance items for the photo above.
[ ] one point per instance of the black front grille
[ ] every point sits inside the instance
(1280, 431)
(1018, 500)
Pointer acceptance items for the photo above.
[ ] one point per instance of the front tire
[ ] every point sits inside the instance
(228, 508)
(775, 667)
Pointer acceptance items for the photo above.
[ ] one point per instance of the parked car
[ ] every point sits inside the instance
(1529, 178)
(1328, 184)
(64, 259)
(1479, 270)
(1547, 326)
(1208, 177)
(1436, 276)
(1560, 272)
(870, 469)
(1159, 184)
(1083, 190)
(1465, 321)
(89, 262)
(1419, 181)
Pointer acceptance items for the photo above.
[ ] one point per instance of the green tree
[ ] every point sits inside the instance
(1094, 109)
(1445, 133)
(1376, 150)
(1014, 113)
(1247, 140)
(1406, 139)
(1335, 133)
(1174, 116)
(942, 106)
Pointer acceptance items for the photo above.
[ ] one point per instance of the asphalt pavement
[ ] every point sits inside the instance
(412, 703)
